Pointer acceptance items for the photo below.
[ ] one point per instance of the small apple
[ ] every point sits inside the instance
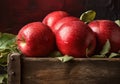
(54, 17)
(36, 39)
(63, 21)
(75, 39)
(106, 30)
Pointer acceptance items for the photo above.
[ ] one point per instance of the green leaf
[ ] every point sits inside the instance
(3, 58)
(98, 56)
(7, 46)
(6, 40)
(112, 55)
(65, 58)
(56, 54)
(106, 48)
(117, 22)
(3, 79)
(88, 16)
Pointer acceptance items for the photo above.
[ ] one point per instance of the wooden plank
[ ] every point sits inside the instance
(14, 69)
(78, 71)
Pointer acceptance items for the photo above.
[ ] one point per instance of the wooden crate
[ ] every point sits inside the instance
(24, 70)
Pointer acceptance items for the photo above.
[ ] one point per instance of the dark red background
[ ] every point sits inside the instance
(16, 13)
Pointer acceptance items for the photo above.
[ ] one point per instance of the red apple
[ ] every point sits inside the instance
(36, 39)
(106, 30)
(54, 17)
(63, 21)
(75, 39)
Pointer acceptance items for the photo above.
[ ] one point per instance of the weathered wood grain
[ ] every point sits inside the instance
(14, 69)
(77, 71)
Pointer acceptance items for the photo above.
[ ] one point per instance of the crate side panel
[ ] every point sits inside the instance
(52, 71)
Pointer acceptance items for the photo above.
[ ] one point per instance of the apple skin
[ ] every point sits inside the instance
(52, 18)
(74, 38)
(36, 39)
(106, 30)
(63, 21)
